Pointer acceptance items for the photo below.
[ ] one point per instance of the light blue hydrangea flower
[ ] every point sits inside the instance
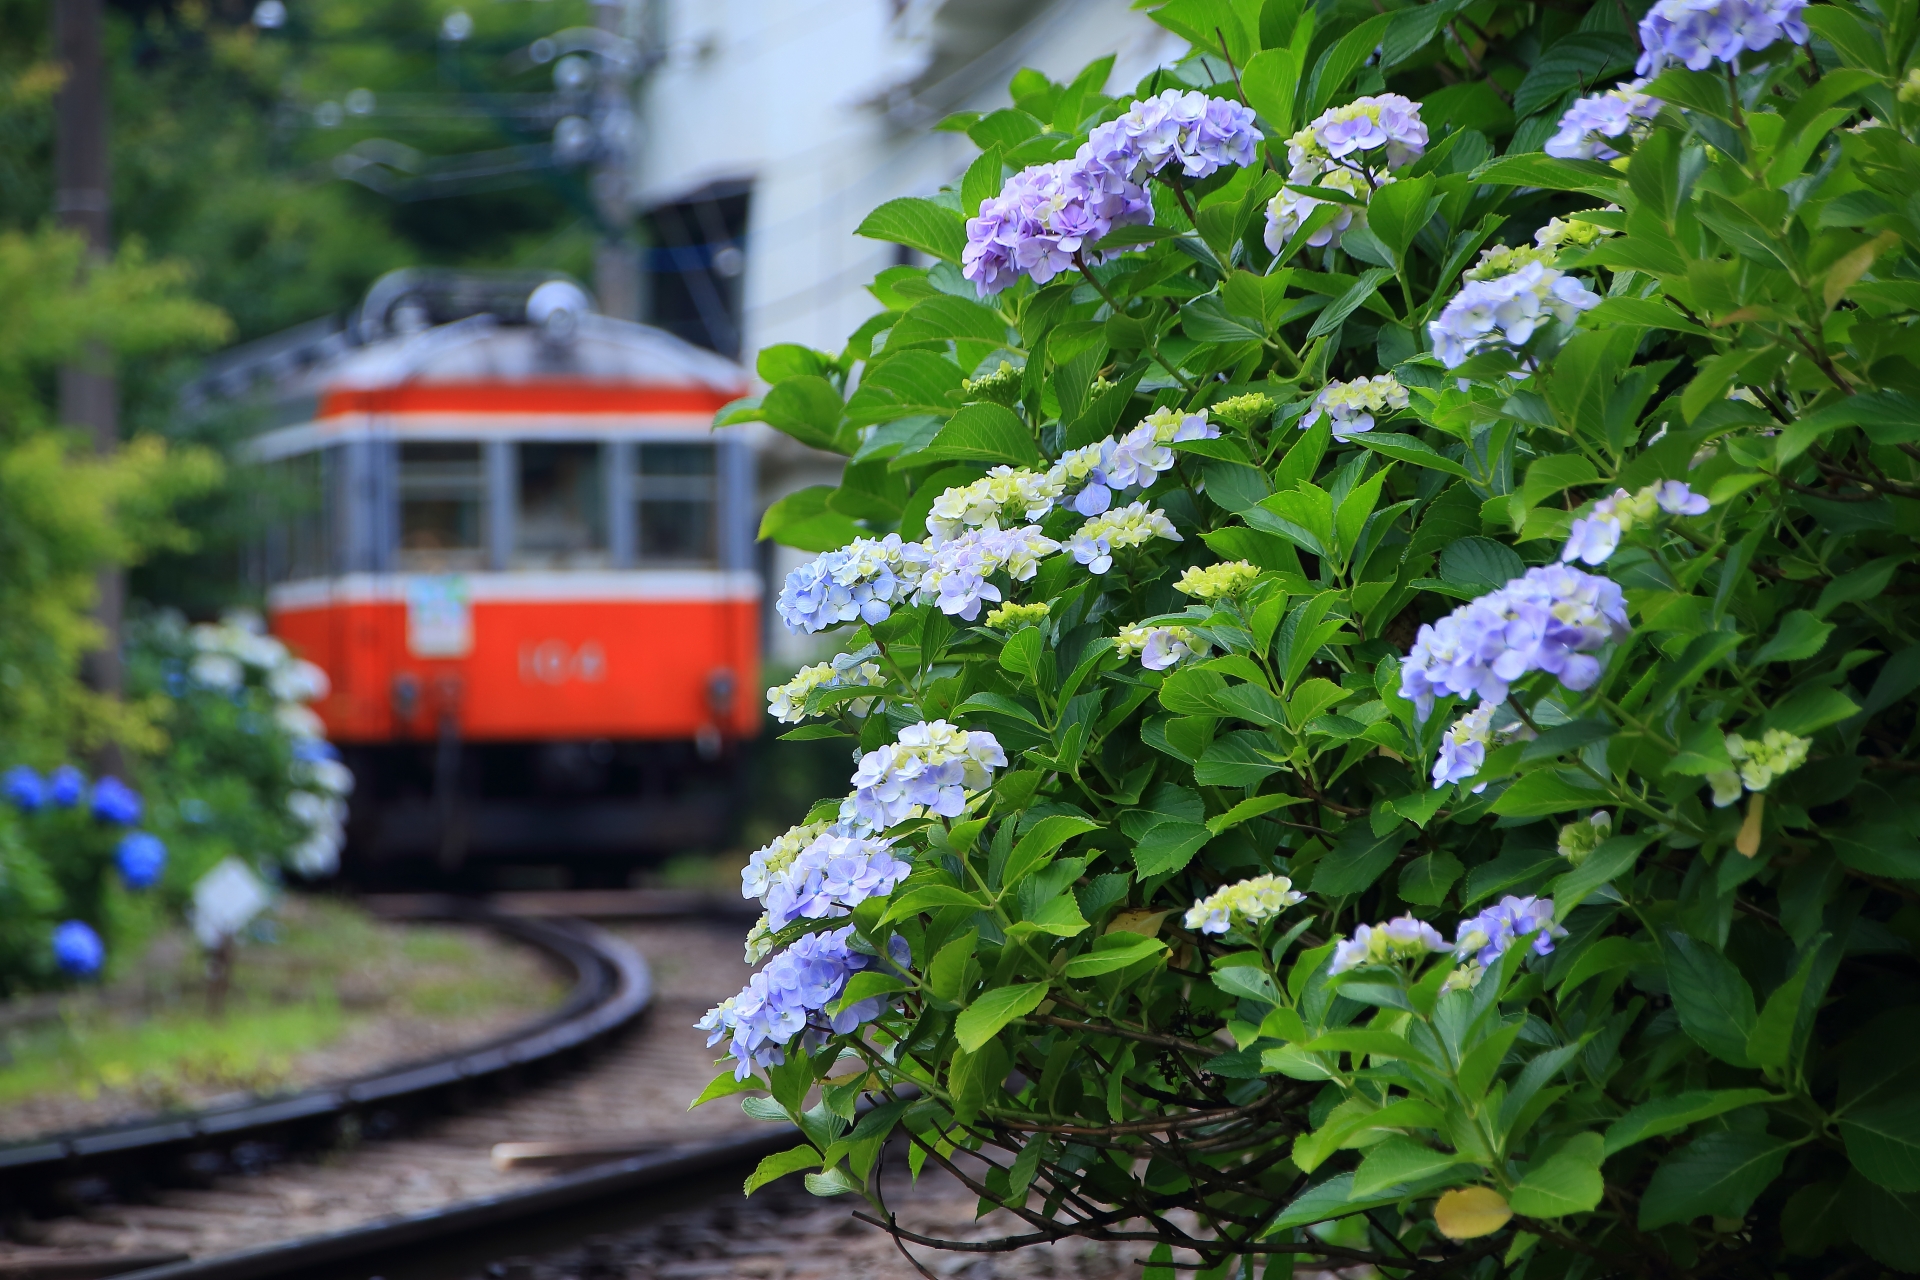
(790, 996)
(1698, 33)
(930, 768)
(1487, 936)
(141, 857)
(77, 949)
(1589, 124)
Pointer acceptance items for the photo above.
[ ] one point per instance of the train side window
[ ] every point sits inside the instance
(674, 504)
(293, 501)
(562, 518)
(442, 501)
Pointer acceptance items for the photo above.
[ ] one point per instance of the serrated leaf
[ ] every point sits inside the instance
(779, 1165)
(1662, 1116)
(982, 1020)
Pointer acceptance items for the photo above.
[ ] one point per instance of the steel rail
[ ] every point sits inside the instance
(612, 987)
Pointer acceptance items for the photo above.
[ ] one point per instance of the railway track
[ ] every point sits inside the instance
(323, 1180)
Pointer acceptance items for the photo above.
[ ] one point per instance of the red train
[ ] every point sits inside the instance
(510, 537)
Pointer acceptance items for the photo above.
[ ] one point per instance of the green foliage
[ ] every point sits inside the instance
(1705, 1063)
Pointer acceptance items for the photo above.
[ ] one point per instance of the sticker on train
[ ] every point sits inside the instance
(439, 617)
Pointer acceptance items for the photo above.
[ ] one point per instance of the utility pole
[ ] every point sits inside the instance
(616, 261)
(89, 397)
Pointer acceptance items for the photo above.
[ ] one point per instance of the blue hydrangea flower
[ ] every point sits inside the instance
(835, 873)
(862, 580)
(1487, 936)
(1463, 749)
(114, 801)
(1506, 309)
(929, 769)
(1589, 124)
(77, 949)
(66, 786)
(790, 996)
(1698, 33)
(1550, 619)
(25, 789)
(141, 857)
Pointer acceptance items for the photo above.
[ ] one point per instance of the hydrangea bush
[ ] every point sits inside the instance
(1373, 583)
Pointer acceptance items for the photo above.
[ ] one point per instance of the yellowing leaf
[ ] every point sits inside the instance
(1467, 1213)
(1842, 275)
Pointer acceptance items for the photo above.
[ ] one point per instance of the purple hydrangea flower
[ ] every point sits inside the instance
(1698, 33)
(1588, 123)
(1404, 938)
(66, 786)
(1463, 749)
(114, 801)
(930, 767)
(1677, 498)
(862, 580)
(141, 857)
(77, 949)
(1506, 309)
(791, 995)
(1591, 539)
(25, 789)
(835, 873)
(1551, 619)
(957, 572)
(1489, 935)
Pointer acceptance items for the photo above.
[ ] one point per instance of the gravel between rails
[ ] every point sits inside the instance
(640, 1085)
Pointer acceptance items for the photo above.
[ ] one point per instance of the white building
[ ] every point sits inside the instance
(791, 120)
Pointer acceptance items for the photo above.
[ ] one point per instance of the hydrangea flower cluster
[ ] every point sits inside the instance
(1506, 309)
(1624, 110)
(1463, 748)
(1004, 496)
(770, 861)
(1387, 121)
(1757, 763)
(833, 874)
(1505, 259)
(25, 790)
(65, 786)
(1578, 840)
(1244, 906)
(141, 856)
(1012, 617)
(1131, 526)
(791, 996)
(1404, 938)
(1289, 209)
(77, 949)
(1550, 619)
(1048, 213)
(1574, 232)
(956, 574)
(1245, 410)
(1488, 936)
(1594, 537)
(1217, 581)
(787, 702)
(862, 580)
(1199, 132)
(1159, 647)
(115, 802)
(1698, 33)
(929, 769)
(1350, 406)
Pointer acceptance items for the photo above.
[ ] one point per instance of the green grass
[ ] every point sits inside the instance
(151, 1033)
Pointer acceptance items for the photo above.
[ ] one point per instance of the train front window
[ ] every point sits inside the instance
(442, 498)
(562, 520)
(674, 506)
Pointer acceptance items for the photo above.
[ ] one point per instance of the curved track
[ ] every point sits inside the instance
(299, 1185)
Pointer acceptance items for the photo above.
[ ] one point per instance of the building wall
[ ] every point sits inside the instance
(825, 107)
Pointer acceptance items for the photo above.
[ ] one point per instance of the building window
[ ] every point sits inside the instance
(442, 501)
(562, 509)
(696, 260)
(674, 504)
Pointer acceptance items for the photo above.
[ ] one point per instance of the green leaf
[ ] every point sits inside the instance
(918, 224)
(1169, 846)
(1884, 1224)
(1662, 1116)
(1357, 859)
(1718, 1173)
(1549, 791)
(1247, 810)
(1113, 951)
(1271, 80)
(724, 1086)
(1424, 881)
(1409, 449)
(1533, 169)
(1771, 1043)
(1059, 916)
(1574, 61)
(1639, 313)
(1810, 710)
(805, 407)
(1399, 1160)
(980, 1021)
(1021, 653)
(1038, 844)
(1322, 1202)
(802, 520)
(930, 898)
(1396, 213)
(1338, 64)
(1349, 302)
(780, 1164)
(1605, 956)
(1480, 565)
(1615, 856)
(1883, 1141)
(1714, 1003)
(1799, 636)
(983, 432)
(1568, 1181)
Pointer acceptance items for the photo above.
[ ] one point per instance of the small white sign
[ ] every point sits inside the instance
(225, 901)
(439, 617)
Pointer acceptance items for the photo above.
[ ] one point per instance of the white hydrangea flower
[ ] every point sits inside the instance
(1350, 406)
(1246, 905)
(1288, 211)
(1159, 647)
(1004, 496)
(787, 702)
(1131, 526)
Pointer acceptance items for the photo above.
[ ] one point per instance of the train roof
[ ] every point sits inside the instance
(431, 343)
